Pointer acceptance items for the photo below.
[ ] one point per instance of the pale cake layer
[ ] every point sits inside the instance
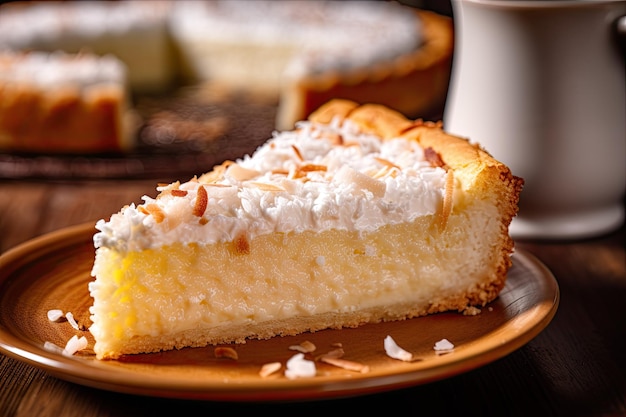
(222, 293)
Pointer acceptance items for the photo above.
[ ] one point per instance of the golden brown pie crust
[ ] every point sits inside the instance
(415, 84)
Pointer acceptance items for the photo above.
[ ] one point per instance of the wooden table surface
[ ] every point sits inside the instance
(575, 367)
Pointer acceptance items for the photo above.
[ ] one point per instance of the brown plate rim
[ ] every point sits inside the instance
(106, 375)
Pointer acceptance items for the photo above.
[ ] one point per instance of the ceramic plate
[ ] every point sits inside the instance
(52, 272)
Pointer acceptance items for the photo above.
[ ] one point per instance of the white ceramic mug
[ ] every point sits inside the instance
(541, 85)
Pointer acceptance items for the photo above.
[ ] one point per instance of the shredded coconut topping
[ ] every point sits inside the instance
(61, 69)
(323, 32)
(298, 181)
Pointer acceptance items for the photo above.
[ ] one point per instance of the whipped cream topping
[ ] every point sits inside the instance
(42, 25)
(315, 178)
(321, 34)
(58, 68)
(314, 36)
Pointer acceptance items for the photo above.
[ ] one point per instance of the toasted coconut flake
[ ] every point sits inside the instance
(202, 199)
(240, 173)
(362, 181)
(179, 193)
(168, 187)
(433, 158)
(216, 174)
(335, 138)
(217, 185)
(241, 244)
(265, 186)
(396, 352)
(335, 353)
(443, 346)
(313, 167)
(156, 212)
(280, 172)
(297, 152)
(269, 369)
(304, 347)
(226, 352)
(70, 318)
(446, 208)
(346, 364)
(55, 315)
(387, 163)
(74, 345)
(296, 174)
(298, 367)
(379, 174)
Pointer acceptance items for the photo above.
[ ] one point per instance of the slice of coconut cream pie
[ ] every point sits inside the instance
(357, 216)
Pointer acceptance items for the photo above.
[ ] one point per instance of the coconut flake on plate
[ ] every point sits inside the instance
(74, 345)
(298, 367)
(269, 369)
(304, 347)
(443, 346)
(70, 319)
(396, 352)
(55, 314)
(345, 364)
(51, 347)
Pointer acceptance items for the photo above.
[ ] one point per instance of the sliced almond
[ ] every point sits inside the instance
(304, 347)
(263, 186)
(269, 369)
(345, 364)
(226, 352)
(335, 353)
(240, 173)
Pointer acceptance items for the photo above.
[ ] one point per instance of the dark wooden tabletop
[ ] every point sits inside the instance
(575, 367)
